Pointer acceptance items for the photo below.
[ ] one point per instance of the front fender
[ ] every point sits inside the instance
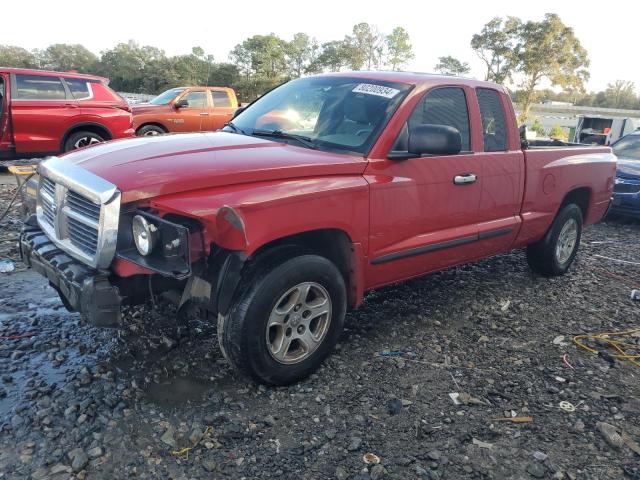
(249, 216)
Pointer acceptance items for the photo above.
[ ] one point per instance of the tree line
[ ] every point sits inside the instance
(256, 65)
(524, 55)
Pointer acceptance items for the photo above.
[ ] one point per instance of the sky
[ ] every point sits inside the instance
(609, 32)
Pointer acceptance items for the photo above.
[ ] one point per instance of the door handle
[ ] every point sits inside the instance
(465, 179)
(204, 113)
(71, 105)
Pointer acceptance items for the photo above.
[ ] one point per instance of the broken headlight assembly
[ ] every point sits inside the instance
(154, 243)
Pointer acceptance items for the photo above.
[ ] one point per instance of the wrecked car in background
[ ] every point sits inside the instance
(277, 227)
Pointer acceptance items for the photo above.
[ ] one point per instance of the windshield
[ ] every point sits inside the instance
(332, 112)
(166, 97)
(627, 147)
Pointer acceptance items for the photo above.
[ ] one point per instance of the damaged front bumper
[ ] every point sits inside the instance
(81, 288)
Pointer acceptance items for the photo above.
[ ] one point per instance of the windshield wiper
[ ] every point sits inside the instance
(306, 141)
(235, 128)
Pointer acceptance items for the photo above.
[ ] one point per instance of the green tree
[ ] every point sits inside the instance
(128, 65)
(365, 47)
(64, 57)
(495, 46)
(333, 56)
(559, 133)
(12, 56)
(452, 66)
(549, 50)
(398, 47)
(301, 53)
(261, 55)
(538, 128)
(621, 94)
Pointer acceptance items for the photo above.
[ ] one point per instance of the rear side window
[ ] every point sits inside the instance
(80, 89)
(37, 87)
(493, 122)
(220, 99)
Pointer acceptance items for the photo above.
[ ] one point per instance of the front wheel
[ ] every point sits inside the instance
(554, 254)
(150, 131)
(286, 320)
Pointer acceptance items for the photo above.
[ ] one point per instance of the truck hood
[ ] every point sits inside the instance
(148, 167)
(628, 168)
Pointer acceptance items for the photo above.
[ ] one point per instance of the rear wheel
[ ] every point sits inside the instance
(82, 139)
(286, 320)
(554, 254)
(150, 131)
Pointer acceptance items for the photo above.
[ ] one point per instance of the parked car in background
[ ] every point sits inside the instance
(626, 189)
(44, 113)
(185, 109)
(322, 189)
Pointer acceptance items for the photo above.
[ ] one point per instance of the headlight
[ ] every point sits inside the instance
(145, 234)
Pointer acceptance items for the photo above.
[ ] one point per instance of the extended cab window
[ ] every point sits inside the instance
(196, 99)
(442, 106)
(80, 89)
(37, 87)
(493, 121)
(221, 99)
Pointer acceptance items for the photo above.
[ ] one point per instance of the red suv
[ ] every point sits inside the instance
(44, 113)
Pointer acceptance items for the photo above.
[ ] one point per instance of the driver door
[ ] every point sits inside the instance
(195, 116)
(423, 215)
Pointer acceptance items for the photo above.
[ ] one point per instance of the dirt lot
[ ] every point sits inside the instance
(78, 402)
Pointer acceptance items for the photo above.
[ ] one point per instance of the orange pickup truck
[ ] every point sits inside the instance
(185, 109)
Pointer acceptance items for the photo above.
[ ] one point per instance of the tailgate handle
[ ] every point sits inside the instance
(465, 179)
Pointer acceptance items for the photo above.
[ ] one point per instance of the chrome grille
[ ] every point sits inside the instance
(83, 206)
(78, 211)
(83, 237)
(48, 196)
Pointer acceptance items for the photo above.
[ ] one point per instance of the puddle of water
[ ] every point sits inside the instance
(178, 391)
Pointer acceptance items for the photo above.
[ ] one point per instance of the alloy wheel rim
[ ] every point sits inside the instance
(85, 142)
(567, 241)
(298, 323)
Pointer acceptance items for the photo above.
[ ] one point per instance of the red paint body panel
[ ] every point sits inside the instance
(36, 126)
(386, 207)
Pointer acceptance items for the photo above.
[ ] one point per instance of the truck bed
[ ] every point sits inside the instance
(553, 172)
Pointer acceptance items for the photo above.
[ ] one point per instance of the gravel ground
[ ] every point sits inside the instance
(78, 402)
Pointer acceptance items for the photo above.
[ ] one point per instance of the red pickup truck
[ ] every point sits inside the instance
(322, 189)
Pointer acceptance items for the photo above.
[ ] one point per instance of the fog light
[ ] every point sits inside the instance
(145, 234)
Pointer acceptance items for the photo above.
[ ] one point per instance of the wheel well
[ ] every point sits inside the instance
(87, 127)
(579, 196)
(333, 244)
(155, 124)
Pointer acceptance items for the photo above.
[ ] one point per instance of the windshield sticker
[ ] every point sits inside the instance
(378, 90)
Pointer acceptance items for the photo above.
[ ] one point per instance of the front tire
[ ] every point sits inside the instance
(150, 131)
(554, 254)
(286, 319)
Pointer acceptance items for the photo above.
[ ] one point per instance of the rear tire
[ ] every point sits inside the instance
(82, 139)
(150, 131)
(554, 254)
(286, 318)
